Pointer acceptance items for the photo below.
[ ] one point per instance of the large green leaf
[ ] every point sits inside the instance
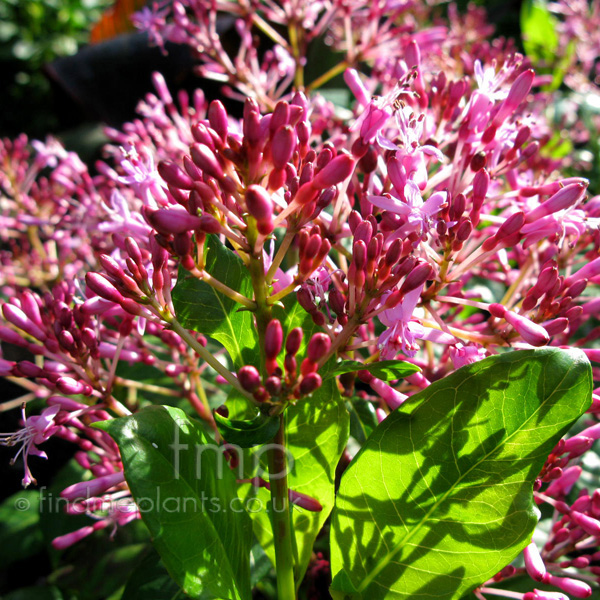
(201, 307)
(188, 500)
(316, 435)
(539, 31)
(20, 534)
(440, 497)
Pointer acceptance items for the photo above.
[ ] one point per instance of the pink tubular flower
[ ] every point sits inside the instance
(402, 332)
(418, 214)
(37, 429)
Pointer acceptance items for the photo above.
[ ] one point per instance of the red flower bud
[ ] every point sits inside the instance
(273, 339)
(249, 378)
(310, 383)
(318, 347)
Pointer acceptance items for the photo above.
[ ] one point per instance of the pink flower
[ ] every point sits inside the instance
(402, 332)
(418, 213)
(36, 430)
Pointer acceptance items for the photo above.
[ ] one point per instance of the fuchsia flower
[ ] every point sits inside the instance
(36, 430)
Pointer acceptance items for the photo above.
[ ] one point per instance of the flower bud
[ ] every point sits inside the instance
(273, 339)
(564, 198)
(249, 378)
(534, 563)
(95, 487)
(64, 541)
(102, 287)
(310, 383)
(259, 203)
(205, 159)
(19, 319)
(217, 117)
(172, 220)
(175, 176)
(283, 145)
(336, 171)
(293, 341)
(318, 347)
(72, 387)
(417, 277)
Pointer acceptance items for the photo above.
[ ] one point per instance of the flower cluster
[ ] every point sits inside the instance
(425, 221)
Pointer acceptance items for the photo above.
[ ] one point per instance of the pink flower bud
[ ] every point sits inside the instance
(531, 332)
(19, 319)
(174, 219)
(359, 254)
(66, 403)
(102, 287)
(273, 339)
(392, 397)
(562, 486)
(353, 81)
(591, 432)
(160, 85)
(417, 277)
(259, 203)
(12, 337)
(30, 307)
(318, 347)
(249, 378)
(205, 159)
(364, 232)
(540, 595)
(293, 341)
(577, 588)
(534, 563)
(306, 194)
(175, 176)
(310, 383)
(71, 387)
(556, 326)
(305, 501)
(88, 489)
(564, 198)
(6, 367)
(217, 117)
(481, 182)
(589, 270)
(283, 145)
(336, 171)
(280, 116)
(64, 541)
(587, 523)
(28, 369)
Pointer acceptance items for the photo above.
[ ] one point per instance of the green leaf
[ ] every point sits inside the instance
(316, 435)
(150, 580)
(439, 499)
(363, 419)
(246, 434)
(538, 28)
(383, 369)
(200, 307)
(20, 534)
(187, 497)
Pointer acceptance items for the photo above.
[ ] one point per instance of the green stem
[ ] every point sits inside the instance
(204, 354)
(280, 516)
(335, 70)
(276, 456)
